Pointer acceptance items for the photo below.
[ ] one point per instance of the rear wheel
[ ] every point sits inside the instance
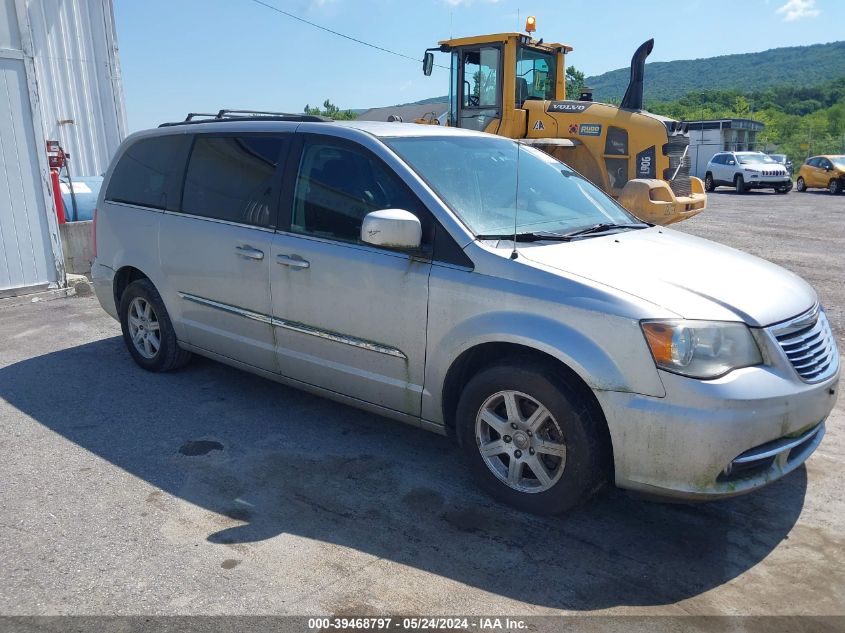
(800, 185)
(739, 184)
(835, 186)
(147, 329)
(531, 439)
(709, 184)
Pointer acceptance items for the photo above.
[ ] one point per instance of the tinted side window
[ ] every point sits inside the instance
(233, 178)
(338, 184)
(813, 162)
(718, 159)
(144, 175)
(825, 164)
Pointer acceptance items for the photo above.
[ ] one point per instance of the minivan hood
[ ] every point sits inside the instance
(689, 276)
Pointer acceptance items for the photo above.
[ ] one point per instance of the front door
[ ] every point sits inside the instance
(215, 250)
(349, 317)
(814, 173)
(479, 80)
(824, 172)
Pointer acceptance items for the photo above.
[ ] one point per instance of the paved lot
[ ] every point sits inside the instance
(297, 505)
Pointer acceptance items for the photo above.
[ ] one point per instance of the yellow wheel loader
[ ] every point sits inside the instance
(513, 85)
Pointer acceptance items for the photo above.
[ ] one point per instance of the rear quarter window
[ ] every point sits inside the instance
(149, 172)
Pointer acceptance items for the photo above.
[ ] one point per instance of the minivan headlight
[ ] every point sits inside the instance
(701, 349)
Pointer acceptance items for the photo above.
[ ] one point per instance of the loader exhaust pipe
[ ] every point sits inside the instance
(633, 99)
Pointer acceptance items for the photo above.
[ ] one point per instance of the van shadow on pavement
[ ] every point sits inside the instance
(288, 462)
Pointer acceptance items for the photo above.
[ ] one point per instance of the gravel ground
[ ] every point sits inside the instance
(211, 491)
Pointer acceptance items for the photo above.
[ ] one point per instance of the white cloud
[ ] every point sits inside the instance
(797, 9)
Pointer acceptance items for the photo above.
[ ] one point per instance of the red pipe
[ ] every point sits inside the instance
(57, 196)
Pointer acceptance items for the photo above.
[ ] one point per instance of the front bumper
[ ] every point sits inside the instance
(717, 438)
(654, 201)
(767, 182)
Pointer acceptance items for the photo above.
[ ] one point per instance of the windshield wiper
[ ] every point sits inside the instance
(551, 236)
(601, 227)
(527, 237)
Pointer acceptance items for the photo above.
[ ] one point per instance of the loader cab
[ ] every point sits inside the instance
(492, 77)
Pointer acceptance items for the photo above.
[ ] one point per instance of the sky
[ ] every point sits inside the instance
(180, 56)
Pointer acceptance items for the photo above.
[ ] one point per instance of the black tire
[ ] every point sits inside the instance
(168, 355)
(739, 184)
(709, 183)
(800, 185)
(585, 466)
(835, 186)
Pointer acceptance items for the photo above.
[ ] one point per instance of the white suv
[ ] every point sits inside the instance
(746, 170)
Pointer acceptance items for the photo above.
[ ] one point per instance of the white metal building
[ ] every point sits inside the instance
(408, 113)
(59, 80)
(707, 138)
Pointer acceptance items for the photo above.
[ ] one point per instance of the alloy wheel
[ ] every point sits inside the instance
(144, 328)
(520, 441)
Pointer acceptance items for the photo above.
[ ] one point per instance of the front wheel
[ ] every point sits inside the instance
(739, 184)
(147, 329)
(531, 439)
(835, 186)
(800, 185)
(709, 184)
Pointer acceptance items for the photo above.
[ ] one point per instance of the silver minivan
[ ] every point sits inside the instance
(472, 286)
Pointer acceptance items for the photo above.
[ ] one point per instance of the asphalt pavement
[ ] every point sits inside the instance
(211, 491)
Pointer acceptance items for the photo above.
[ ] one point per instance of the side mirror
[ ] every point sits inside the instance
(428, 63)
(392, 228)
(731, 162)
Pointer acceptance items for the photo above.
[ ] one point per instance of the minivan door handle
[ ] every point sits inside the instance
(248, 252)
(293, 261)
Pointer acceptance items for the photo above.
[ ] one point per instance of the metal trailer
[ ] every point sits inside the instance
(709, 137)
(59, 80)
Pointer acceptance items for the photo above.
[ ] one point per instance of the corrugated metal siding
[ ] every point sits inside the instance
(78, 76)
(10, 36)
(58, 60)
(26, 259)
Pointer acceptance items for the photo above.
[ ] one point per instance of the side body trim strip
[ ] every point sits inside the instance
(294, 326)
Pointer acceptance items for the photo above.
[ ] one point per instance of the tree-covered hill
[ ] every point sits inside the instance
(800, 121)
(800, 66)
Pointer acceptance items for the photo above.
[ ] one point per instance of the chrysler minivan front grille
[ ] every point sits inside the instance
(809, 345)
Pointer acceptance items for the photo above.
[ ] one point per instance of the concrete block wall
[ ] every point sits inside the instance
(78, 247)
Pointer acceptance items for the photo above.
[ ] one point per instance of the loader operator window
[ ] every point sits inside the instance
(535, 75)
(480, 78)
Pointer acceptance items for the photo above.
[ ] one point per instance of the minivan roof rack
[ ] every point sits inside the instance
(246, 115)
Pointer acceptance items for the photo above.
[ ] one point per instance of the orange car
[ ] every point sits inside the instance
(822, 172)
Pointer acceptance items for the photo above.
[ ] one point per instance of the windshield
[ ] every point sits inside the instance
(838, 161)
(477, 178)
(535, 75)
(780, 158)
(745, 159)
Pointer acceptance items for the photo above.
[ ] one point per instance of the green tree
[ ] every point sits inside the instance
(331, 111)
(742, 107)
(574, 82)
